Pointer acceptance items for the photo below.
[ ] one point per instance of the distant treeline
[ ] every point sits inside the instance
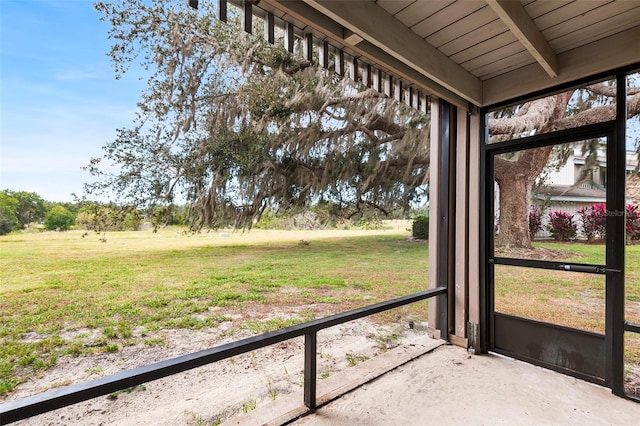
(27, 210)
(21, 210)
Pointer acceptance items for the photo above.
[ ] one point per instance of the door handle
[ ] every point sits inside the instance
(588, 268)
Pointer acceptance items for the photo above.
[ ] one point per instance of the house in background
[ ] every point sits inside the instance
(571, 187)
(633, 188)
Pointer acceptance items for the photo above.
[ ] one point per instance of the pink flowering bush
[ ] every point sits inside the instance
(561, 226)
(632, 224)
(535, 221)
(594, 221)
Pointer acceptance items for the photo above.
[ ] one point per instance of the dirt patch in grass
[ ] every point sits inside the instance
(214, 393)
(534, 253)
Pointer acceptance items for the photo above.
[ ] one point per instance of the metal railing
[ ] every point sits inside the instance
(632, 327)
(19, 409)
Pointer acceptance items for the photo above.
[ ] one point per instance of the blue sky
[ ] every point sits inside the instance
(59, 99)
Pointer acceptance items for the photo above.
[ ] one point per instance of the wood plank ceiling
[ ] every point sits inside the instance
(475, 51)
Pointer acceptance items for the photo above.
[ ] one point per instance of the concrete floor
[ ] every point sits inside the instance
(443, 385)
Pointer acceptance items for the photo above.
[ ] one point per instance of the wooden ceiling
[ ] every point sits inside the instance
(475, 51)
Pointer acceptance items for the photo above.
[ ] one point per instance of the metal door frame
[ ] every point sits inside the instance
(613, 269)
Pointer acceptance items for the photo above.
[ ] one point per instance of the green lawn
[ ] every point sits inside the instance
(517, 288)
(71, 294)
(63, 294)
(569, 298)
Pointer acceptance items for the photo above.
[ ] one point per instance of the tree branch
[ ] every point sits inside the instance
(536, 115)
(597, 115)
(610, 91)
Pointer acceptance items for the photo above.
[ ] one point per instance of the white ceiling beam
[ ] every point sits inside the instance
(616, 51)
(375, 25)
(513, 14)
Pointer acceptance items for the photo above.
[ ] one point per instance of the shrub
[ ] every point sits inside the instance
(268, 220)
(561, 226)
(535, 221)
(8, 208)
(305, 221)
(59, 219)
(372, 221)
(132, 221)
(594, 221)
(632, 224)
(108, 217)
(5, 224)
(420, 227)
(161, 216)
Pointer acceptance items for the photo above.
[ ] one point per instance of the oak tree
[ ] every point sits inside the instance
(232, 125)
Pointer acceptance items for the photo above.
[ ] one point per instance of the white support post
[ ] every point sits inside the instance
(388, 85)
(376, 80)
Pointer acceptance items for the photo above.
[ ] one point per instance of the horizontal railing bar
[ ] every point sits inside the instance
(630, 326)
(552, 265)
(23, 408)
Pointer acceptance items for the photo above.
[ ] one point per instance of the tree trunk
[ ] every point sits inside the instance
(515, 196)
(512, 231)
(515, 178)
